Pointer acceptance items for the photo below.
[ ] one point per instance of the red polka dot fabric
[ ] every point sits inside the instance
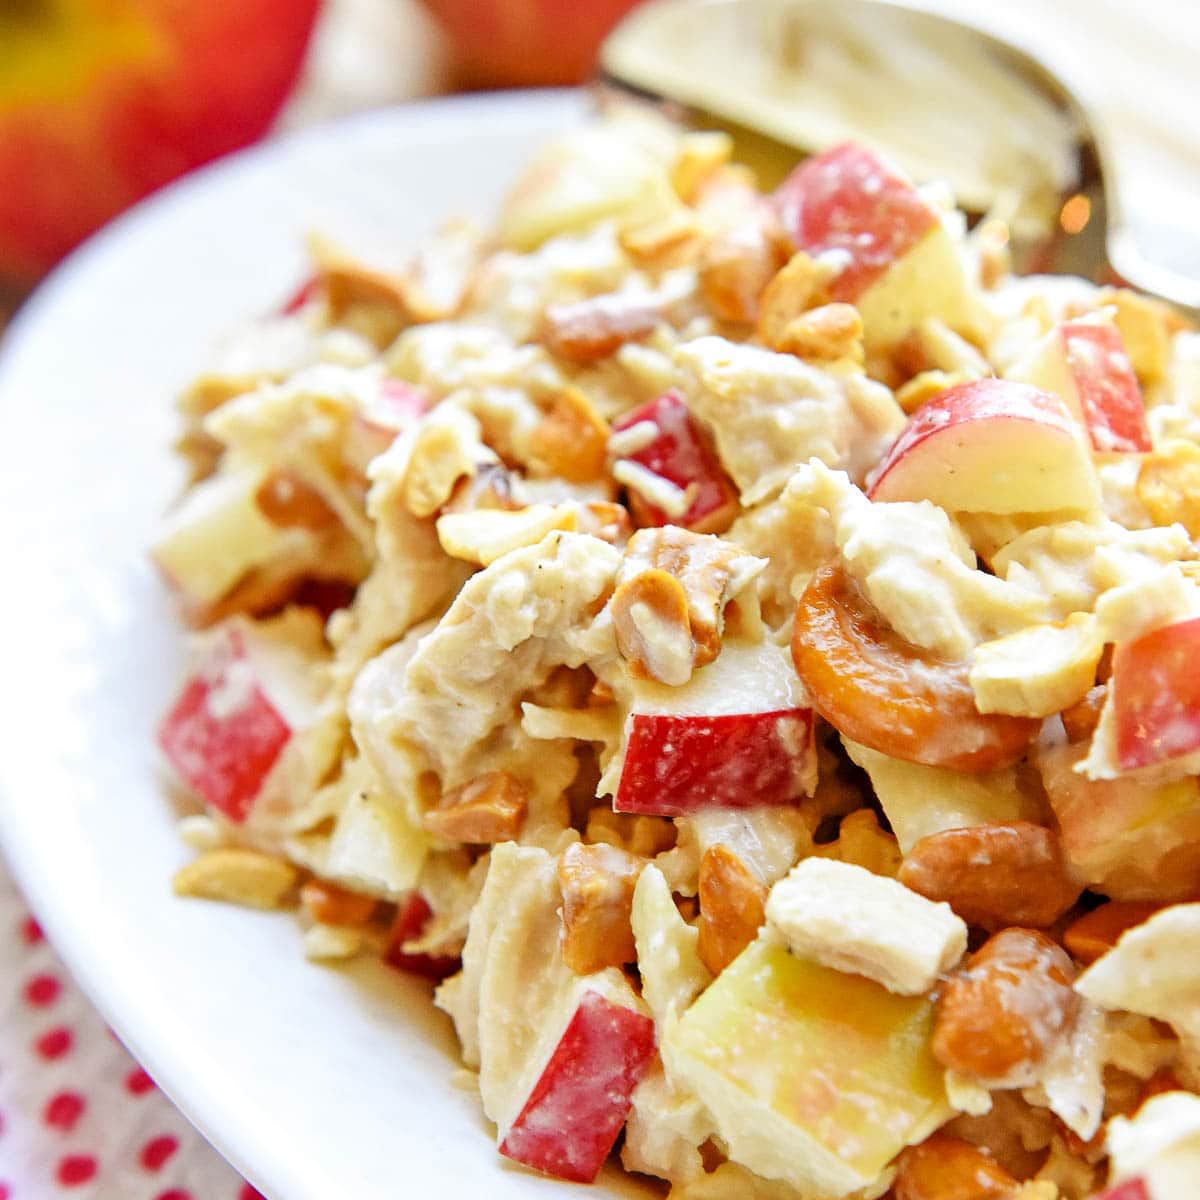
(79, 1119)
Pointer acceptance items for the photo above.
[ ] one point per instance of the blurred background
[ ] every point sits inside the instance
(102, 101)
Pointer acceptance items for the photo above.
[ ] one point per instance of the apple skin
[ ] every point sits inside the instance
(1131, 1189)
(412, 915)
(581, 1099)
(1109, 397)
(1156, 695)
(679, 454)
(850, 200)
(103, 103)
(678, 765)
(990, 445)
(223, 735)
(525, 43)
(1086, 365)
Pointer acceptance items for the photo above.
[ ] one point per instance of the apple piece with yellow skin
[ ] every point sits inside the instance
(813, 1076)
(102, 102)
(993, 446)
(893, 258)
(1086, 365)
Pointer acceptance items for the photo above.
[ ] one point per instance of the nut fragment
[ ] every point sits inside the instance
(732, 907)
(863, 843)
(994, 875)
(237, 876)
(669, 607)
(825, 334)
(947, 1168)
(440, 458)
(1168, 485)
(1082, 717)
(328, 904)
(488, 809)
(287, 501)
(799, 286)
(699, 156)
(1001, 1015)
(597, 883)
(1146, 327)
(1097, 932)
(925, 386)
(745, 249)
(571, 440)
(589, 330)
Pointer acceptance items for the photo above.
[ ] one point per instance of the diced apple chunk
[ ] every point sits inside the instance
(1084, 363)
(577, 1107)
(991, 445)
(738, 735)
(898, 264)
(812, 1076)
(216, 535)
(661, 438)
(1156, 695)
(236, 715)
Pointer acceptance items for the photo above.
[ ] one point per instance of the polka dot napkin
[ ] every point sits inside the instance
(79, 1118)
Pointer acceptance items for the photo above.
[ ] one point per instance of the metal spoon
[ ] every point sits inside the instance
(949, 101)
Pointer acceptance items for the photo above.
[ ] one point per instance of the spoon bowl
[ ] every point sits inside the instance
(947, 100)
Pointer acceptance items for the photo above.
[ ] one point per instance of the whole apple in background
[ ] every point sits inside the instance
(523, 43)
(103, 101)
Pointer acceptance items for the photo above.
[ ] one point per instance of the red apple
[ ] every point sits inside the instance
(738, 735)
(571, 1119)
(412, 915)
(502, 43)
(851, 201)
(1085, 364)
(1131, 1189)
(225, 733)
(674, 450)
(1156, 695)
(103, 102)
(990, 445)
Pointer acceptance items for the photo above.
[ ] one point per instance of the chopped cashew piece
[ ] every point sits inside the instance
(485, 535)
(669, 606)
(238, 876)
(1039, 670)
(849, 919)
(731, 907)
(597, 885)
(490, 808)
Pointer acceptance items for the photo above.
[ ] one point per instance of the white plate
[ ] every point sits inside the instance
(316, 1083)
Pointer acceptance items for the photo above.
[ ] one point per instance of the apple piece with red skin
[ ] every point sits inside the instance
(412, 915)
(1085, 364)
(230, 724)
(102, 103)
(738, 735)
(994, 446)
(895, 261)
(538, 42)
(571, 1118)
(1156, 695)
(679, 454)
